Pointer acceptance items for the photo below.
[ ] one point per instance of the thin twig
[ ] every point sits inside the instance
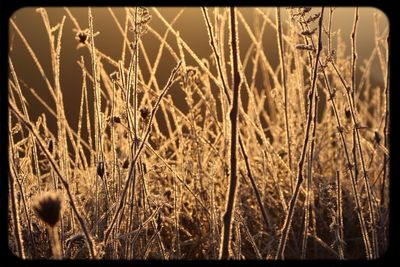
(285, 90)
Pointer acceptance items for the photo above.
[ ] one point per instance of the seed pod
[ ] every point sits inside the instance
(100, 169)
(125, 165)
(308, 32)
(144, 113)
(304, 47)
(313, 17)
(347, 113)
(50, 146)
(116, 119)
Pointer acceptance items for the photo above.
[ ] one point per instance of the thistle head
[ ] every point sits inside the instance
(48, 208)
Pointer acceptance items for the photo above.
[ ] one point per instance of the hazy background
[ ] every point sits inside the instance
(192, 29)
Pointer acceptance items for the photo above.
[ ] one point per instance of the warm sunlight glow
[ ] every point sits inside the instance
(198, 133)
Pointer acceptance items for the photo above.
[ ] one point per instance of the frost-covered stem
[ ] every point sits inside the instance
(289, 216)
(230, 205)
(285, 93)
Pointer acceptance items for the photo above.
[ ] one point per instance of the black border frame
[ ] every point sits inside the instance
(7, 258)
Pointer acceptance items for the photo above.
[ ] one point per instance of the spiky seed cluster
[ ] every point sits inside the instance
(142, 20)
(82, 36)
(48, 208)
(303, 17)
(296, 12)
(189, 77)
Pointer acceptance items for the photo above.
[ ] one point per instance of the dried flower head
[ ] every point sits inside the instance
(82, 36)
(144, 113)
(48, 208)
(116, 119)
(189, 76)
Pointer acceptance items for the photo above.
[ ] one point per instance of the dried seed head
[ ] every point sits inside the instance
(313, 17)
(82, 36)
(50, 146)
(340, 129)
(331, 56)
(100, 169)
(125, 165)
(168, 194)
(142, 20)
(116, 119)
(304, 47)
(189, 76)
(48, 208)
(347, 113)
(16, 129)
(308, 32)
(282, 153)
(144, 113)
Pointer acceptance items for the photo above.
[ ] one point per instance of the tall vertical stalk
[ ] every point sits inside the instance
(387, 119)
(339, 216)
(353, 84)
(14, 208)
(285, 91)
(97, 114)
(230, 204)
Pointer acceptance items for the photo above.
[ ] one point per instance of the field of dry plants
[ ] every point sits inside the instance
(228, 156)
